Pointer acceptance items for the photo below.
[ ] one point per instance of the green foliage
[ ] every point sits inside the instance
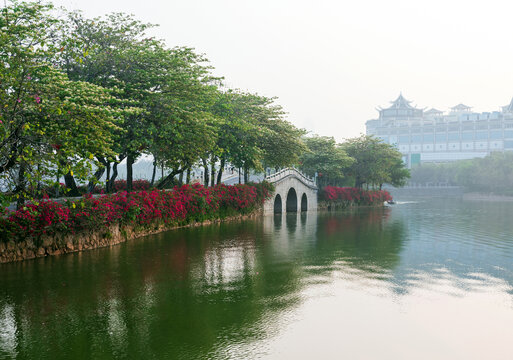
(326, 159)
(375, 162)
(358, 161)
(48, 123)
(80, 94)
(492, 174)
(252, 132)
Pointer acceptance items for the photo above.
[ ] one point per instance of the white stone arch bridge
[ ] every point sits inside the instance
(294, 192)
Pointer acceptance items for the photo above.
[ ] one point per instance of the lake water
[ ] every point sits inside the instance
(418, 280)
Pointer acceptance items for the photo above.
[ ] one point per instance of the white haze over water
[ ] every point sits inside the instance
(331, 63)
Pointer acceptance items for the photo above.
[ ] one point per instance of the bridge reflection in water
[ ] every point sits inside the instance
(281, 286)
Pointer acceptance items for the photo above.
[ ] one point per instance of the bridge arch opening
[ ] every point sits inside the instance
(304, 202)
(292, 200)
(277, 204)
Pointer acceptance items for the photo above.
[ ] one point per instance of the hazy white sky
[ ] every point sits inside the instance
(331, 63)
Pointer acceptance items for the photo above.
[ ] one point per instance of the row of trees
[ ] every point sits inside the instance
(491, 174)
(362, 161)
(78, 96)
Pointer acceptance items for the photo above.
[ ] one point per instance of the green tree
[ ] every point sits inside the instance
(113, 52)
(253, 133)
(325, 158)
(171, 86)
(375, 162)
(283, 144)
(491, 174)
(48, 123)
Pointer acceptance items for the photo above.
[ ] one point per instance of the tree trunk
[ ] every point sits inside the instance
(188, 177)
(110, 184)
(39, 182)
(205, 165)
(213, 173)
(164, 182)
(180, 178)
(246, 174)
(107, 177)
(221, 168)
(71, 185)
(20, 188)
(58, 176)
(129, 172)
(154, 173)
(239, 176)
(97, 175)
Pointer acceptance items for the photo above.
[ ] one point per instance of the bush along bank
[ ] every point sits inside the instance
(51, 228)
(333, 197)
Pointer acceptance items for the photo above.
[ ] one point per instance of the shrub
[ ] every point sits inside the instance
(353, 195)
(179, 206)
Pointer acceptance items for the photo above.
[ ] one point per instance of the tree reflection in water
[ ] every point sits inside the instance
(218, 291)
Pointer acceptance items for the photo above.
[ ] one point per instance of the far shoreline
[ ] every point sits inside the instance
(487, 197)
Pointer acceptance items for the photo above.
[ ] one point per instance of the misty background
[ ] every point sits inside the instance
(331, 63)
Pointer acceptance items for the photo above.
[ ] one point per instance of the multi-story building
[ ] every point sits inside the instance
(432, 136)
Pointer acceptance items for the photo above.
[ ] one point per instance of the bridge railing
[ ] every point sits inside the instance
(290, 171)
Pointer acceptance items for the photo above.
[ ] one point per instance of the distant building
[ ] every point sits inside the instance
(432, 136)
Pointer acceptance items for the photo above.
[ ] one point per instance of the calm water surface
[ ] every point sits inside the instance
(419, 280)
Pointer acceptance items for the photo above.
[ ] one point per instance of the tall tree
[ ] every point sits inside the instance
(114, 52)
(48, 123)
(324, 158)
(253, 133)
(375, 162)
(169, 84)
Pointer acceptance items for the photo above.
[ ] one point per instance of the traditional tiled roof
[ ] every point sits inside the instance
(433, 111)
(508, 108)
(401, 103)
(460, 107)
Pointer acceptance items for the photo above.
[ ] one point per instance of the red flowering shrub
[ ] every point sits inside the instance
(354, 195)
(137, 185)
(179, 206)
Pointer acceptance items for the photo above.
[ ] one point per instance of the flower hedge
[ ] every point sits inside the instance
(351, 195)
(180, 206)
(120, 185)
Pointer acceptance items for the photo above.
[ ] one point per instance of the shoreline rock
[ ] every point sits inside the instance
(88, 240)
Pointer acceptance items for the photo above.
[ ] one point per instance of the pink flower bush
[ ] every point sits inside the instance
(355, 195)
(179, 206)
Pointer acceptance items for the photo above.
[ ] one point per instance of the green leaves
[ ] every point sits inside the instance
(325, 158)
(358, 161)
(77, 90)
(375, 162)
(49, 121)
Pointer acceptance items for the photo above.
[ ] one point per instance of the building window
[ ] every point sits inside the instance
(467, 136)
(495, 134)
(416, 138)
(453, 136)
(481, 135)
(404, 139)
(441, 137)
(508, 133)
(428, 138)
